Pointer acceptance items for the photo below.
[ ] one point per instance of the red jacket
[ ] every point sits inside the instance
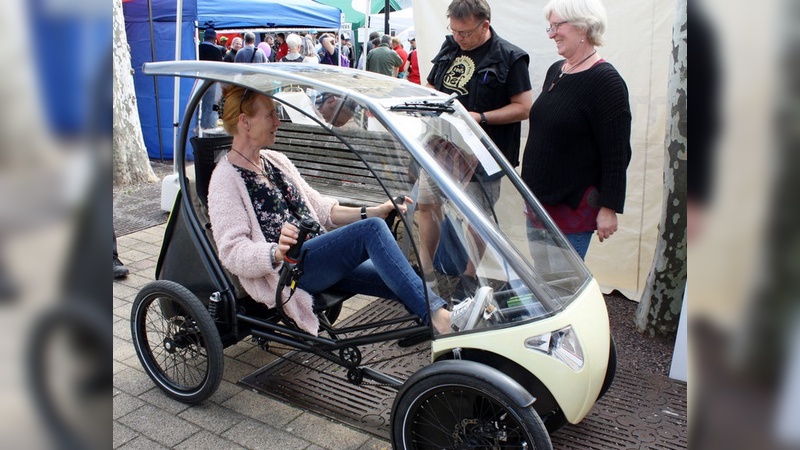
(403, 55)
(413, 67)
(283, 50)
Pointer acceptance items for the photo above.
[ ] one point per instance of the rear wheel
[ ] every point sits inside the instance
(457, 411)
(176, 341)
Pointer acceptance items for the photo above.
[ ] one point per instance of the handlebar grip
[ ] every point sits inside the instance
(306, 226)
(400, 199)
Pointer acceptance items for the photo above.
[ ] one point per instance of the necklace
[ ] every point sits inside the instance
(259, 167)
(558, 78)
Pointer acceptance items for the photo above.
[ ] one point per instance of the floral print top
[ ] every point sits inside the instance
(276, 202)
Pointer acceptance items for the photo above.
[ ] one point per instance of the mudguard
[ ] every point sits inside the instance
(505, 383)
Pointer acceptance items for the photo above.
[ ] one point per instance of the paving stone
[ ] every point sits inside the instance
(207, 441)
(376, 444)
(225, 391)
(240, 347)
(263, 408)
(132, 381)
(123, 347)
(159, 425)
(144, 267)
(117, 366)
(157, 398)
(326, 433)
(125, 403)
(119, 303)
(123, 311)
(256, 357)
(235, 370)
(132, 255)
(122, 434)
(122, 328)
(256, 435)
(123, 291)
(135, 281)
(212, 417)
(142, 443)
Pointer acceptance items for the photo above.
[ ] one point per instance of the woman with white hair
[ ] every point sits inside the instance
(295, 44)
(578, 146)
(308, 51)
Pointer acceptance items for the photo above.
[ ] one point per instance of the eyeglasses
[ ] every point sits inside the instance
(553, 28)
(241, 101)
(464, 34)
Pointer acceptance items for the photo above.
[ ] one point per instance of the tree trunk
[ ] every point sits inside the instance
(660, 306)
(131, 164)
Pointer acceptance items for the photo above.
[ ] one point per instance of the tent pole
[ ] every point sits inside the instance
(366, 30)
(170, 185)
(386, 10)
(155, 82)
(176, 104)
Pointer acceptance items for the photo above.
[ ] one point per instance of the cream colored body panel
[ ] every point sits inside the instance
(575, 392)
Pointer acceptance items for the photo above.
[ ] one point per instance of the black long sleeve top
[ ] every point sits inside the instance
(579, 137)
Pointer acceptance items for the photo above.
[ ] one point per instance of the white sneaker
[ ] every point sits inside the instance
(466, 314)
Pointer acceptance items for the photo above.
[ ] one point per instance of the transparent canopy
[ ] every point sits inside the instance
(473, 222)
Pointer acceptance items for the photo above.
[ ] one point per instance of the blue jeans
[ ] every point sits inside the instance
(364, 258)
(580, 241)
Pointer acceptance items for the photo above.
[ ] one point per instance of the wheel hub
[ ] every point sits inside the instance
(169, 345)
(471, 432)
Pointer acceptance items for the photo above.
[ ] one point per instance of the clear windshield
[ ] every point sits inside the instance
(474, 208)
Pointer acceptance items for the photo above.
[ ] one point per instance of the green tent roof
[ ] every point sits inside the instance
(357, 18)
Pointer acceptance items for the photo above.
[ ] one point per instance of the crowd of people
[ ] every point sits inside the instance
(313, 48)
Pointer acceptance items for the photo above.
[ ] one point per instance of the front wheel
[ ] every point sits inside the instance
(176, 341)
(457, 411)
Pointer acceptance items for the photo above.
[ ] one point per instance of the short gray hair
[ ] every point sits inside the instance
(294, 41)
(465, 9)
(588, 15)
(249, 37)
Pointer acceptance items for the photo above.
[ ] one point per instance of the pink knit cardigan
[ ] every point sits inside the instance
(244, 251)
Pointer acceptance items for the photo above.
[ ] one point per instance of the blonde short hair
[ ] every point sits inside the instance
(588, 15)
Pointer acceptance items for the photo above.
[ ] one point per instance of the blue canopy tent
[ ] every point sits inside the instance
(150, 26)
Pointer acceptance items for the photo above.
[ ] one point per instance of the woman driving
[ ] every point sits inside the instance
(257, 198)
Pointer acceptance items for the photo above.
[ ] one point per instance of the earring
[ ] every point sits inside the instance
(581, 41)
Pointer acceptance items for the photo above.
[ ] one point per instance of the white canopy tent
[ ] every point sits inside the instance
(398, 20)
(638, 44)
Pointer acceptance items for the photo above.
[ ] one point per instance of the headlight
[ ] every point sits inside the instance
(561, 344)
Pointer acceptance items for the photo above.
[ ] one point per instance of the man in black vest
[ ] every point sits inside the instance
(490, 76)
